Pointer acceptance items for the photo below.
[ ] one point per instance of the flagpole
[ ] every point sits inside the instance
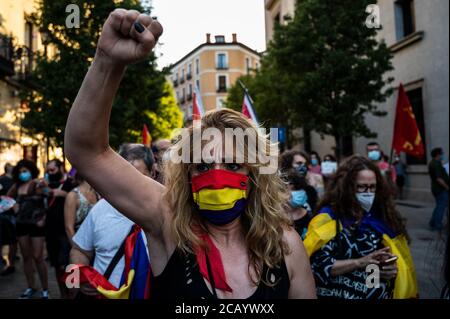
(245, 90)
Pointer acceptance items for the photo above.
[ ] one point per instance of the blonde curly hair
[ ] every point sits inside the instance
(265, 218)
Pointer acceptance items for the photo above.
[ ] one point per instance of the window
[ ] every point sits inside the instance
(277, 19)
(183, 96)
(222, 62)
(404, 18)
(222, 79)
(197, 66)
(189, 96)
(189, 72)
(198, 84)
(247, 65)
(29, 35)
(416, 100)
(220, 39)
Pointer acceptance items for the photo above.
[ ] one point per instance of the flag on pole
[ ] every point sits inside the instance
(407, 136)
(248, 110)
(146, 137)
(197, 107)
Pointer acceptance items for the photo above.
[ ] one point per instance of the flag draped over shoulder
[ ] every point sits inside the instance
(407, 136)
(248, 110)
(135, 282)
(197, 106)
(146, 137)
(322, 229)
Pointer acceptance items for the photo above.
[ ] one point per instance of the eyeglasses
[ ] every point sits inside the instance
(364, 188)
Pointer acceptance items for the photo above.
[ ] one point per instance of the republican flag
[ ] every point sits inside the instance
(135, 282)
(407, 136)
(146, 137)
(248, 110)
(197, 107)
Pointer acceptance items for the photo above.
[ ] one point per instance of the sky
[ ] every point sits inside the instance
(186, 23)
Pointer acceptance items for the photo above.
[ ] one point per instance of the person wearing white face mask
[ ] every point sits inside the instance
(357, 225)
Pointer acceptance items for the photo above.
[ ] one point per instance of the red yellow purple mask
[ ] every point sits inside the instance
(220, 195)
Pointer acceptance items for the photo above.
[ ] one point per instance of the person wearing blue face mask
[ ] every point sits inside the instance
(299, 161)
(30, 226)
(315, 163)
(298, 208)
(376, 155)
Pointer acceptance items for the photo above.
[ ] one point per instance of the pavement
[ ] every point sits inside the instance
(427, 249)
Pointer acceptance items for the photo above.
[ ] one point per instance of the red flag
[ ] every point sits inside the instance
(407, 136)
(146, 137)
(197, 107)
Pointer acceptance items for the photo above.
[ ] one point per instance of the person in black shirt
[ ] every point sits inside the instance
(359, 201)
(56, 186)
(298, 207)
(439, 187)
(7, 224)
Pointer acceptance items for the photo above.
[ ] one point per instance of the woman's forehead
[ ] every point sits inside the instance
(221, 151)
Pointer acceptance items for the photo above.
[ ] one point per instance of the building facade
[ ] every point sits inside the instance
(275, 12)
(19, 42)
(415, 31)
(213, 67)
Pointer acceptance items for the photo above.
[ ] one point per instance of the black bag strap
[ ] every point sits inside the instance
(120, 252)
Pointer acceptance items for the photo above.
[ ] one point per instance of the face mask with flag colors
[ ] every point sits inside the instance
(220, 195)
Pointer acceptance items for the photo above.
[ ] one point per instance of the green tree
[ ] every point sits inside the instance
(167, 117)
(59, 77)
(328, 70)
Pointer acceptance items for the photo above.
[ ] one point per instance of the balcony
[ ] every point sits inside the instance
(189, 76)
(222, 66)
(25, 63)
(6, 56)
(183, 100)
(222, 89)
(182, 80)
(189, 97)
(175, 83)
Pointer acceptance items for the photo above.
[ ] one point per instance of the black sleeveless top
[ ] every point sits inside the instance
(181, 279)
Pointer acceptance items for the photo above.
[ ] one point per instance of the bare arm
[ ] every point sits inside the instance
(341, 267)
(79, 256)
(70, 209)
(442, 183)
(86, 135)
(299, 269)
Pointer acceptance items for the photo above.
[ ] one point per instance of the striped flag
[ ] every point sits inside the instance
(136, 276)
(197, 107)
(248, 110)
(146, 137)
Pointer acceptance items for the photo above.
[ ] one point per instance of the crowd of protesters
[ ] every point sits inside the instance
(208, 229)
(344, 212)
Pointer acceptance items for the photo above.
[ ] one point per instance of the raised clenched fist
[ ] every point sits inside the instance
(128, 36)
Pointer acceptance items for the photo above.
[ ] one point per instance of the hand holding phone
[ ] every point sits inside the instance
(390, 260)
